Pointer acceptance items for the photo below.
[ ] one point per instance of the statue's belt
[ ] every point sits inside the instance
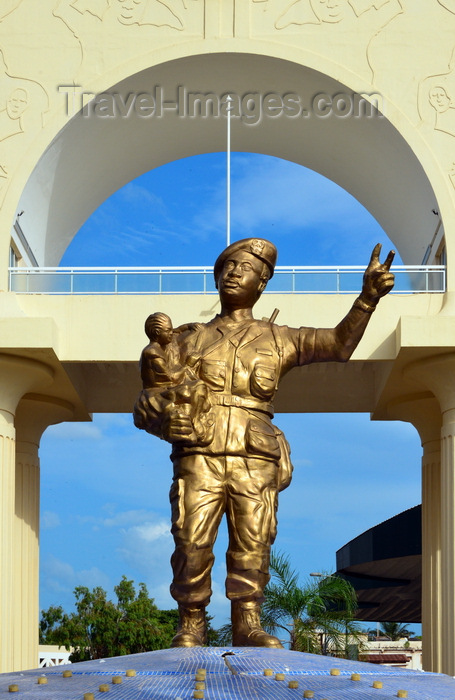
(241, 402)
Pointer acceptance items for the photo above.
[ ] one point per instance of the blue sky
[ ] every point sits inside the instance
(104, 501)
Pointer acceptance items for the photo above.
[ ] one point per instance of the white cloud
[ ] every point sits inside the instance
(58, 574)
(158, 586)
(218, 593)
(160, 594)
(144, 522)
(92, 577)
(108, 421)
(219, 606)
(74, 431)
(272, 192)
(49, 520)
(96, 430)
(145, 548)
(61, 577)
(128, 517)
(150, 536)
(150, 532)
(134, 194)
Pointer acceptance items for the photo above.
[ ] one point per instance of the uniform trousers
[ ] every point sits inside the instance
(204, 488)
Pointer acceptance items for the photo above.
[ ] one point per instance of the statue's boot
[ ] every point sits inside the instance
(246, 626)
(192, 629)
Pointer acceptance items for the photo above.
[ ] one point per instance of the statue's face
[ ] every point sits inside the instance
(330, 10)
(164, 336)
(130, 11)
(439, 99)
(17, 103)
(240, 279)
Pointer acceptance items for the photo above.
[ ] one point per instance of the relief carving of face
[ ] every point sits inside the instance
(17, 103)
(331, 11)
(130, 11)
(439, 99)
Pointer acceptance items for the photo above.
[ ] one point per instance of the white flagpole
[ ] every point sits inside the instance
(228, 171)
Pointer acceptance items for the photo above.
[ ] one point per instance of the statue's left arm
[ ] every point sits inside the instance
(340, 342)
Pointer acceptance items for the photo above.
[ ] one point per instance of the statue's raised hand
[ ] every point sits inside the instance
(377, 279)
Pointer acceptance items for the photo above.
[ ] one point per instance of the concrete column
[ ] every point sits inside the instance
(33, 415)
(431, 557)
(437, 373)
(17, 376)
(422, 410)
(448, 541)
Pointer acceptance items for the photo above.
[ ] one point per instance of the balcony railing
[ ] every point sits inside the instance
(199, 280)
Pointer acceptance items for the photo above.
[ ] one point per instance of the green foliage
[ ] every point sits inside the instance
(100, 628)
(317, 617)
(224, 635)
(394, 630)
(212, 634)
(49, 623)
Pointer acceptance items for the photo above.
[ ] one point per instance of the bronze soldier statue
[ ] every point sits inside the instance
(228, 456)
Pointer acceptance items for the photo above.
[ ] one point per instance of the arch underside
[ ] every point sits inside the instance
(93, 156)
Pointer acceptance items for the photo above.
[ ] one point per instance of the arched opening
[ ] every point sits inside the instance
(337, 456)
(176, 215)
(321, 124)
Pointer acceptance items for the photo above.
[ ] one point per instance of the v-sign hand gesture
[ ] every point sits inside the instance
(378, 280)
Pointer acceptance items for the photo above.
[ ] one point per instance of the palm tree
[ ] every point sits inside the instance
(394, 630)
(317, 617)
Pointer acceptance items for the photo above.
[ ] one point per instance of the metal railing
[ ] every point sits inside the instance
(199, 280)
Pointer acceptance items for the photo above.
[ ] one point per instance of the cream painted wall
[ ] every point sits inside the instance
(87, 332)
(57, 167)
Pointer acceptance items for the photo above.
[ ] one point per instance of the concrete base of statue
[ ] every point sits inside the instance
(170, 674)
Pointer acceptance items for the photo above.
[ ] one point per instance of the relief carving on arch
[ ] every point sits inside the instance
(301, 12)
(112, 31)
(37, 47)
(436, 104)
(52, 43)
(448, 4)
(436, 101)
(23, 105)
(412, 62)
(7, 7)
(418, 42)
(156, 13)
(65, 42)
(326, 26)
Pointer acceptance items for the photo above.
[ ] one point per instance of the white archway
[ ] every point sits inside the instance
(385, 162)
(95, 154)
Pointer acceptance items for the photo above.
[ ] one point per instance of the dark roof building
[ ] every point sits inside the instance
(384, 564)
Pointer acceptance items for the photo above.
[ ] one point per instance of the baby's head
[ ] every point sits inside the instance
(158, 328)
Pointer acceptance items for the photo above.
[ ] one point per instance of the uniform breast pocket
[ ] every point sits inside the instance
(213, 373)
(263, 381)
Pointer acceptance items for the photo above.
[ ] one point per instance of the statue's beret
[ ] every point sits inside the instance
(259, 247)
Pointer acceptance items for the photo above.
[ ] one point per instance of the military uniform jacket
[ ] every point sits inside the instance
(242, 364)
